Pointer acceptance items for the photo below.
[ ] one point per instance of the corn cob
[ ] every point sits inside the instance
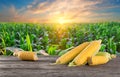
(97, 60)
(110, 56)
(104, 54)
(70, 55)
(89, 51)
(23, 55)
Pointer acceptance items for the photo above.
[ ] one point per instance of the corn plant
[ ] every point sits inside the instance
(33, 37)
(4, 45)
(51, 49)
(28, 42)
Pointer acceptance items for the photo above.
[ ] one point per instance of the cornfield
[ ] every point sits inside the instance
(53, 38)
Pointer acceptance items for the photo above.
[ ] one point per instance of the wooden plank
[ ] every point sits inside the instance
(13, 67)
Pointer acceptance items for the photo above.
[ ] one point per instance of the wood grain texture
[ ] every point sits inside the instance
(13, 67)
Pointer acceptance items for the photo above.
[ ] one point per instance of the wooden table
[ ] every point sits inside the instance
(12, 67)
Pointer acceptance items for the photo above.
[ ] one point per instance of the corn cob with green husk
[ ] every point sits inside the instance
(100, 58)
(108, 55)
(23, 55)
(65, 51)
(91, 50)
(97, 60)
(70, 55)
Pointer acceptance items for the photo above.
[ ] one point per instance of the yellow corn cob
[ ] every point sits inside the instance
(89, 51)
(97, 60)
(70, 55)
(104, 54)
(23, 55)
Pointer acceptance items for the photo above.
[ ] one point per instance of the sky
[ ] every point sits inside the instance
(59, 11)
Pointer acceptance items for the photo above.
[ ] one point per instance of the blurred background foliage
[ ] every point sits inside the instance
(55, 38)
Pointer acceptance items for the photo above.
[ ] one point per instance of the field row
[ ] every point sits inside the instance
(54, 38)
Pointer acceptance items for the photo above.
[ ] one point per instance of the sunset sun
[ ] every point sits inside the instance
(61, 21)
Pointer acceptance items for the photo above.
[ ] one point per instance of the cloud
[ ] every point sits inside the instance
(64, 8)
(8, 14)
(45, 11)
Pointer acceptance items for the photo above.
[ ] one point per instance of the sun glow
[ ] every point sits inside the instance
(61, 20)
